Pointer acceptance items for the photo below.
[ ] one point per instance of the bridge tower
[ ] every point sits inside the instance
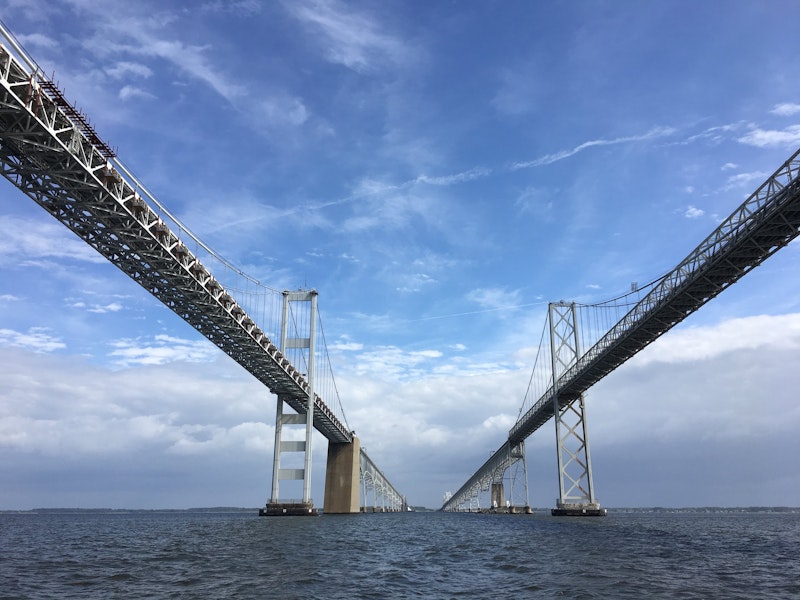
(304, 506)
(575, 486)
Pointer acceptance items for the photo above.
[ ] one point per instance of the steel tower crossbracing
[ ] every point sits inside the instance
(575, 485)
(307, 418)
(763, 224)
(50, 152)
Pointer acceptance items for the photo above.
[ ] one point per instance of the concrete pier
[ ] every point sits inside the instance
(498, 496)
(342, 478)
(578, 510)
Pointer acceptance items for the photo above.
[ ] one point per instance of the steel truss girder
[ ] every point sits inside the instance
(492, 471)
(49, 152)
(766, 222)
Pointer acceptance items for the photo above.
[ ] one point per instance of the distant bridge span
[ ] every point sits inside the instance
(766, 222)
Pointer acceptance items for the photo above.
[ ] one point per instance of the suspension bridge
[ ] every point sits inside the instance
(51, 152)
(585, 343)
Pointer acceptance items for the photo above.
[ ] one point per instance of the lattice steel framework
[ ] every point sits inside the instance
(51, 153)
(763, 224)
(492, 471)
(575, 485)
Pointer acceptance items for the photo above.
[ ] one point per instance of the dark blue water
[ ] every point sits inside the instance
(416, 555)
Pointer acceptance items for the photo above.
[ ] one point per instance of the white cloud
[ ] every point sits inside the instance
(693, 212)
(391, 363)
(767, 138)
(786, 109)
(39, 40)
(743, 179)
(196, 413)
(414, 282)
(130, 92)
(161, 350)
(28, 240)
(124, 68)
(113, 307)
(36, 339)
(346, 346)
(703, 343)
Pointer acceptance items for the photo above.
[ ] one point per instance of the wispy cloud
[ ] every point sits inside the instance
(129, 92)
(36, 339)
(655, 133)
(30, 240)
(494, 298)
(395, 363)
(124, 68)
(414, 282)
(113, 307)
(786, 109)
(244, 8)
(766, 138)
(712, 135)
(742, 179)
(462, 177)
(135, 41)
(162, 349)
(34, 40)
(355, 40)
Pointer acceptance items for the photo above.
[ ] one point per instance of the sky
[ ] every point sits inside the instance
(439, 172)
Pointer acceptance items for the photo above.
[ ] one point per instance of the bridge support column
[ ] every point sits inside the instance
(342, 478)
(298, 342)
(498, 496)
(575, 485)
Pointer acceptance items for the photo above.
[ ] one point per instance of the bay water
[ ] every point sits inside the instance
(236, 554)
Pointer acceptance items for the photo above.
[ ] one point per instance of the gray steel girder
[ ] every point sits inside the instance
(49, 154)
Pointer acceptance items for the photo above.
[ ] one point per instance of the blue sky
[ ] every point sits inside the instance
(438, 171)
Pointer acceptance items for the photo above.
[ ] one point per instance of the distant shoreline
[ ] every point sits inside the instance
(538, 510)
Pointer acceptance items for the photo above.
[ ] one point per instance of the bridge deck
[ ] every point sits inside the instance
(766, 222)
(49, 152)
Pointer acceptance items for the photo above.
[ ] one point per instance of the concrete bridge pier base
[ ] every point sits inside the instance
(498, 496)
(342, 478)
